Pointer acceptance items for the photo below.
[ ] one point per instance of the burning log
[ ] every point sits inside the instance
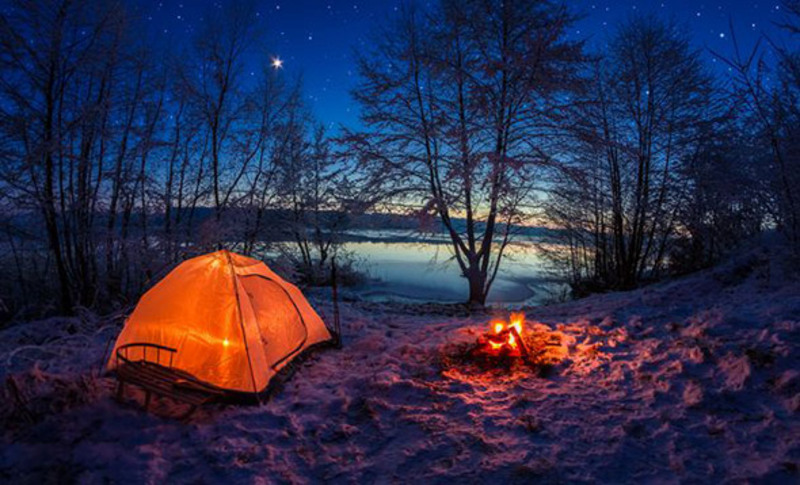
(506, 338)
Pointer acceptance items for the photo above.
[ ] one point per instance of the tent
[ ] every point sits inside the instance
(226, 319)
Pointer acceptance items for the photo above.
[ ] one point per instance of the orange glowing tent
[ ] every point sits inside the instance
(223, 319)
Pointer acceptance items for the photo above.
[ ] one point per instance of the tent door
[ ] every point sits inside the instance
(280, 324)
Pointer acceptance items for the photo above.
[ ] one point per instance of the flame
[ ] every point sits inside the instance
(516, 321)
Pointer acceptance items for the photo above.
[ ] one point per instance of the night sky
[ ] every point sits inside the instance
(316, 39)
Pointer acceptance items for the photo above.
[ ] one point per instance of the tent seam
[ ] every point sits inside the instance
(241, 322)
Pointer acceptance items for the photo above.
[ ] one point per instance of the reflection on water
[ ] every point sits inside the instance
(426, 271)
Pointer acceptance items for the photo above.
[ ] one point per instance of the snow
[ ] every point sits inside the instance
(696, 379)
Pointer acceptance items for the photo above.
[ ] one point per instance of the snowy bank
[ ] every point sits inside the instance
(697, 379)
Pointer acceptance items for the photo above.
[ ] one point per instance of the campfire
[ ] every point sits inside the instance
(506, 345)
(506, 339)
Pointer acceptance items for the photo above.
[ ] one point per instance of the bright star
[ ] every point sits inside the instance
(277, 63)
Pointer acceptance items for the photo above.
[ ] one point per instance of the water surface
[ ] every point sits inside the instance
(424, 270)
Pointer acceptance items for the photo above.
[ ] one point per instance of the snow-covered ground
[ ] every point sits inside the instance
(694, 380)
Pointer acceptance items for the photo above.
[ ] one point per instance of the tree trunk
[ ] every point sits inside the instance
(48, 199)
(477, 286)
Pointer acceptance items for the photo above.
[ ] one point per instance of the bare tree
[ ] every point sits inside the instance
(222, 103)
(110, 160)
(460, 101)
(57, 89)
(276, 102)
(313, 192)
(769, 100)
(618, 198)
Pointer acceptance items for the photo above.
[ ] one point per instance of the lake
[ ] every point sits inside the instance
(409, 268)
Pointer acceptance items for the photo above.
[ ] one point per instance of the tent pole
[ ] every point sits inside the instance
(335, 289)
(103, 359)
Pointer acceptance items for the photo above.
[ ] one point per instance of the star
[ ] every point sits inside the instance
(277, 63)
